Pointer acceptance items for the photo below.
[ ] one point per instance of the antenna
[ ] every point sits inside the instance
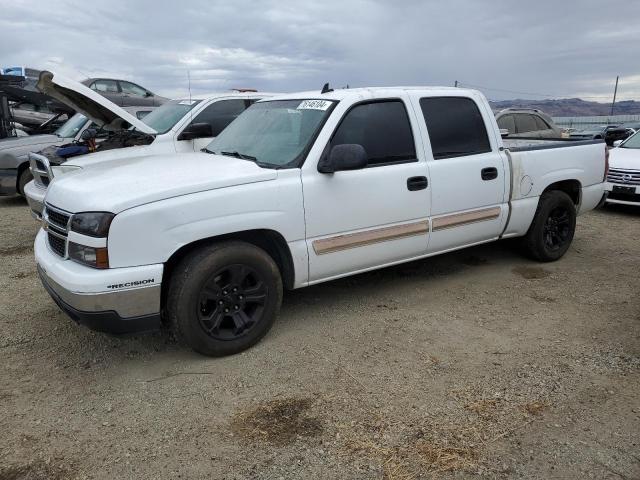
(190, 102)
(326, 89)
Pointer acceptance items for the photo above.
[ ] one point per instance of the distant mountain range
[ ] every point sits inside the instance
(572, 107)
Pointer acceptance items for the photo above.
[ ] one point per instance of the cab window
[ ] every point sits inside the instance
(382, 128)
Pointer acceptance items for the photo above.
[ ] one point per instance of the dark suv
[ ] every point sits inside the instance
(124, 93)
(524, 122)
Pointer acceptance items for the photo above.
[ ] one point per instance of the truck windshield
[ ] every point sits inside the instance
(71, 127)
(632, 142)
(163, 118)
(274, 133)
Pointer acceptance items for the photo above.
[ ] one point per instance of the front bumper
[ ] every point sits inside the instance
(101, 299)
(35, 199)
(627, 198)
(8, 181)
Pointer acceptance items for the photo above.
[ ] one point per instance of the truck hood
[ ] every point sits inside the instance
(125, 183)
(82, 99)
(30, 141)
(624, 158)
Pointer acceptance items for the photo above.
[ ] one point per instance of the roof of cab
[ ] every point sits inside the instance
(369, 92)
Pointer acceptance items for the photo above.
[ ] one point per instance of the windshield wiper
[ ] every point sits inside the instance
(237, 154)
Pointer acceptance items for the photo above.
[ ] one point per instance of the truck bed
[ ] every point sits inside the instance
(525, 144)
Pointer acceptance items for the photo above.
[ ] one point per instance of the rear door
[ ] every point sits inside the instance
(134, 95)
(467, 172)
(361, 219)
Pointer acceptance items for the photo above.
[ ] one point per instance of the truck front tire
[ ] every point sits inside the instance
(223, 298)
(550, 235)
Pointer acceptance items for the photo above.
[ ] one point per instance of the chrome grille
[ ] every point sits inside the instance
(57, 218)
(56, 223)
(625, 177)
(40, 169)
(57, 244)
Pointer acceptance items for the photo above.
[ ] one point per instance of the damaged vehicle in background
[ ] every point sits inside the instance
(14, 151)
(178, 126)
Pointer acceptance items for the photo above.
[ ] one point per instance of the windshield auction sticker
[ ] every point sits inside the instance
(314, 105)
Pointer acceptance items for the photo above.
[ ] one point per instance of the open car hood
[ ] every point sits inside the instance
(84, 100)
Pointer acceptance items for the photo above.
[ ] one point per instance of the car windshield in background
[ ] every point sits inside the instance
(632, 142)
(71, 127)
(163, 118)
(273, 133)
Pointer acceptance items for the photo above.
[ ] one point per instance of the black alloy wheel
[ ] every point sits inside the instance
(557, 228)
(232, 302)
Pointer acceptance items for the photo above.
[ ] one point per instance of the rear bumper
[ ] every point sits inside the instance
(35, 198)
(100, 299)
(8, 181)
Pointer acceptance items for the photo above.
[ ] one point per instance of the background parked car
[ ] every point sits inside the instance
(525, 122)
(609, 133)
(124, 93)
(14, 160)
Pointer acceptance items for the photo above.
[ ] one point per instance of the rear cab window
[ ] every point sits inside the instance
(455, 126)
(383, 129)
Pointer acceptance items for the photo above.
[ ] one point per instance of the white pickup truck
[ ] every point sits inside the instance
(178, 126)
(301, 189)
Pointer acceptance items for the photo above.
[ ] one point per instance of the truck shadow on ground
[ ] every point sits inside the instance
(626, 210)
(14, 201)
(300, 307)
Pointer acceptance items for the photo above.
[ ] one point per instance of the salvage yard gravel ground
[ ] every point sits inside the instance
(475, 363)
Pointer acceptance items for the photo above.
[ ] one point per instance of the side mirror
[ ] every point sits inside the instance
(504, 132)
(349, 156)
(148, 94)
(196, 130)
(617, 143)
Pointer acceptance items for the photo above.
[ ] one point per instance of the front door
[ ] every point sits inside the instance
(361, 219)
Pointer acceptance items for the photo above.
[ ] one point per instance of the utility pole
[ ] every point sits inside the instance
(615, 92)
(456, 84)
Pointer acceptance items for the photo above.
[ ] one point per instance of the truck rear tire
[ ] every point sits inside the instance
(550, 235)
(224, 298)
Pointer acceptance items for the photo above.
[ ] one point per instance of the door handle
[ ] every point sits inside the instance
(417, 183)
(489, 173)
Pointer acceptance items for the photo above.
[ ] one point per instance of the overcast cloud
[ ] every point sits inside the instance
(557, 49)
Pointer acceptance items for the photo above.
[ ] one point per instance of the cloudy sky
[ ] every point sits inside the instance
(512, 50)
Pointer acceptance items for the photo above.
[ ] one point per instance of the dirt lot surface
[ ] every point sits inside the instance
(477, 363)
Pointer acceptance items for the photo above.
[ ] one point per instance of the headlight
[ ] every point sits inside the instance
(91, 256)
(59, 170)
(94, 224)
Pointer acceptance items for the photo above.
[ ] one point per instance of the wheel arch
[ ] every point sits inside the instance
(270, 241)
(571, 187)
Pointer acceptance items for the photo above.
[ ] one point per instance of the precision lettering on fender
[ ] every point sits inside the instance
(135, 283)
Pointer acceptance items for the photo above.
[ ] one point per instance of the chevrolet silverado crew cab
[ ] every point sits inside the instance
(301, 189)
(178, 126)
